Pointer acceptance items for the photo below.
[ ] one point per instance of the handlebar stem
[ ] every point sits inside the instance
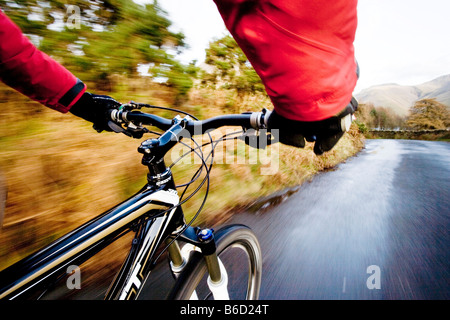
(154, 151)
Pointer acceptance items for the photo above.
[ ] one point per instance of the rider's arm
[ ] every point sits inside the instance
(303, 52)
(32, 72)
(35, 74)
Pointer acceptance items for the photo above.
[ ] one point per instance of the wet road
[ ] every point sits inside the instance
(377, 227)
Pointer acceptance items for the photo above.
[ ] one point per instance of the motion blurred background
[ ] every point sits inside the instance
(60, 173)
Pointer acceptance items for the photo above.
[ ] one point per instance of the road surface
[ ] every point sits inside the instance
(377, 227)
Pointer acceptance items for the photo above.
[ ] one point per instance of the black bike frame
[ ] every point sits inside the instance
(155, 208)
(154, 213)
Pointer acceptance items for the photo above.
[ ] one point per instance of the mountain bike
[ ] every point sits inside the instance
(201, 260)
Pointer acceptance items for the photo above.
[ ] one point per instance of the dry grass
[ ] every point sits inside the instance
(60, 173)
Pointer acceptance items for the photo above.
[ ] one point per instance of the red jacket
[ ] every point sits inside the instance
(301, 49)
(32, 72)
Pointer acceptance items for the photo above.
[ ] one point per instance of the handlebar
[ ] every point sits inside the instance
(255, 120)
(177, 128)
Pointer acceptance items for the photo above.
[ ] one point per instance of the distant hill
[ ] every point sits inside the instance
(400, 98)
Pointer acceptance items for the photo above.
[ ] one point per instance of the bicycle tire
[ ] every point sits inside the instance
(195, 273)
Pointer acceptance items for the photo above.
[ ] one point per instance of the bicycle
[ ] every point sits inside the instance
(156, 217)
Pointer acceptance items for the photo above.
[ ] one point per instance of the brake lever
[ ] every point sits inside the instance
(136, 131)
(131, 130)
(258, 139)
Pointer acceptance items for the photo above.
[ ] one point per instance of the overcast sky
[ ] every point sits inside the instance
(397, 41)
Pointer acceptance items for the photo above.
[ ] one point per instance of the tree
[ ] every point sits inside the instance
(230, 68)
(428, 114)
(378, 117)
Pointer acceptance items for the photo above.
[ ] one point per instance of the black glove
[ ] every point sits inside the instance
(326, 133)
(93, 108)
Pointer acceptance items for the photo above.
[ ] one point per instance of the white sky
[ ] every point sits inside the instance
(402, 41)
(397, 41)
(200, 22)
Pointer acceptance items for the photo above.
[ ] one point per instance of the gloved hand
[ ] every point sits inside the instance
(93, 108)
(326, 133)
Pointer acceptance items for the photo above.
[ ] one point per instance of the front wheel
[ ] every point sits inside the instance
(239, 251)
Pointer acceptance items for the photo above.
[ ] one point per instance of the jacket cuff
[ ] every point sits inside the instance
(72, 96)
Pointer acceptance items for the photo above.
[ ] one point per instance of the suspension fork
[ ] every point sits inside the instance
(201, 240)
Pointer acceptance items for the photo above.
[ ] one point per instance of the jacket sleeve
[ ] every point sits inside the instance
(302, 50)
(33, 73)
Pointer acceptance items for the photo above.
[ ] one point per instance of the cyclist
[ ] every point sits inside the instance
(302, 50)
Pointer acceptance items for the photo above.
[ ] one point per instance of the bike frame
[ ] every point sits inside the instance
(152, 209)
(154, 213)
